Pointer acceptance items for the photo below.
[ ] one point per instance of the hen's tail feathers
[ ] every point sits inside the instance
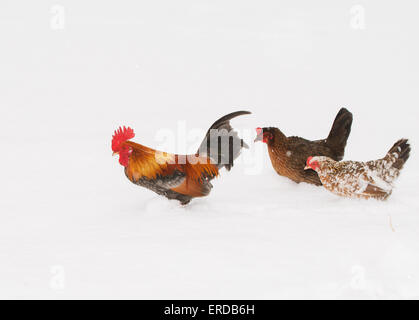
(340, 131)
(221, 143)
(401, 151)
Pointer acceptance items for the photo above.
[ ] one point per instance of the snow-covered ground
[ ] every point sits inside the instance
(72, 225)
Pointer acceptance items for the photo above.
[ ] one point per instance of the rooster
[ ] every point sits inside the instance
(372, 179)
(175, 176)
(289, 154)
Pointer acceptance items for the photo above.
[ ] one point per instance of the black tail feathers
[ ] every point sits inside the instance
(221, 143)
(340, 132)
(402, 151)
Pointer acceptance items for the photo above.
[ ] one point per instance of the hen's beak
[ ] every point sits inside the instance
(259, 138)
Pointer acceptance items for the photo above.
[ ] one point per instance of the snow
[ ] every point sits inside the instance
(72, 225)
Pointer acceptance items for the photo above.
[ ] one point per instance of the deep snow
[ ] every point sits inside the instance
(72, 225)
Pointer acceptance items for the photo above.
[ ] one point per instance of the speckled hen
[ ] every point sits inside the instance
(372, 179)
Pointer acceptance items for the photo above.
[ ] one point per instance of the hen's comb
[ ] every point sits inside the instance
(120, 136)
(309, 160)
(259, 131)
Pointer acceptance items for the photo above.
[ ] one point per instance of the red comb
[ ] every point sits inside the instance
(309, 160)
(120, 136)
(259, 130)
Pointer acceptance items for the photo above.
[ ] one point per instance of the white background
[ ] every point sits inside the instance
(72, 225)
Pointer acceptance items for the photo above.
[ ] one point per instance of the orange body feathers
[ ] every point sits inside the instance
(175, 176)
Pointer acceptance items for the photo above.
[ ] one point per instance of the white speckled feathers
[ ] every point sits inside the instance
(372, 179)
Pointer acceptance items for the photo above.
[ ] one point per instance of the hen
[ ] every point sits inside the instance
(372, 179)
(180, 177)
(289, 154)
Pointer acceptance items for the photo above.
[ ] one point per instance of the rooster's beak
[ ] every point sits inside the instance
(114, 154)
(307, 168)
(259, 138)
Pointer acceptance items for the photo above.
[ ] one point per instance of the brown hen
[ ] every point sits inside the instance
(289, 154)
